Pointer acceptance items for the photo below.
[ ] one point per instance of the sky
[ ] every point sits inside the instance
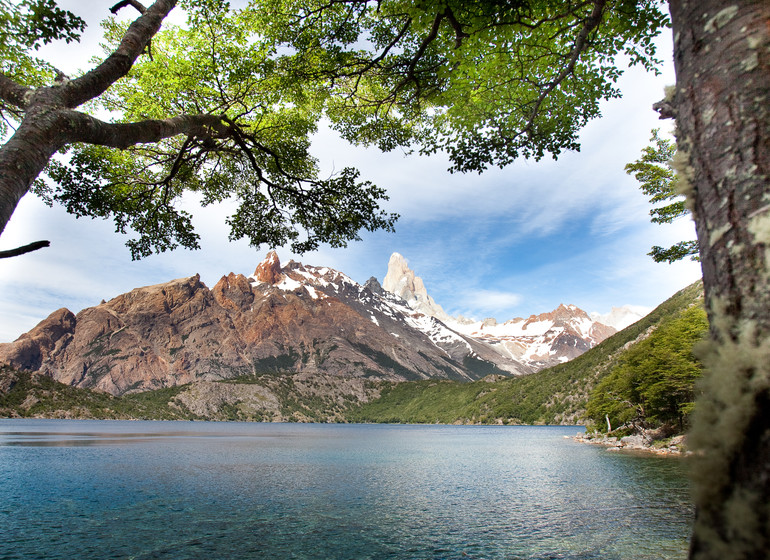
(506, 243)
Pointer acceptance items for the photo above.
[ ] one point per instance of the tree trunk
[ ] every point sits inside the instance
(24, 157)
(48, 125)
(722, 104)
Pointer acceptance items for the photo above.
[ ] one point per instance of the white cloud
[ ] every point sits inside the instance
(490, 303)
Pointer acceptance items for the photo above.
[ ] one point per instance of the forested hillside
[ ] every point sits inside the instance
(557, 395)
(642, 376)
(653, 384)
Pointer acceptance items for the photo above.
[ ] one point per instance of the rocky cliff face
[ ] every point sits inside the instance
(295, 318)
(401, 281)
(539, 341)
(151, 337)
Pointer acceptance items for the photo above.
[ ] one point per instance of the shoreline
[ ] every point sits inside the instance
(644, 442)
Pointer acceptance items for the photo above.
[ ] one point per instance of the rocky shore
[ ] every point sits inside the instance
(644, 441)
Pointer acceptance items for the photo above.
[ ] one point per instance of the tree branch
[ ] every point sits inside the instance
(460, 34)
(432, 34)
(123, 3)
(123, 135)
(13, 93)
(240, 138)
(25, 249)
(665, 108)
(375, 61)
(581, 41)
(179, 159)
(95, 82)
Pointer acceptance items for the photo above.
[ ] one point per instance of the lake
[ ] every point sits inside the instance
(75, 489)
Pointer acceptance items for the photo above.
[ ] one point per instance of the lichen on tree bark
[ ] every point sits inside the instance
(722, 58)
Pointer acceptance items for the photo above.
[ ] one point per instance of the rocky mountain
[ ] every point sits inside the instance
(542, 340)
(555, 395)
(264, 398)
(539, 341)
(401, 281)
(312, 321)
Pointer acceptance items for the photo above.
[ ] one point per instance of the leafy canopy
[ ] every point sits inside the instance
(24, 27)
(659, 181)
(486, 82)
(254, 149)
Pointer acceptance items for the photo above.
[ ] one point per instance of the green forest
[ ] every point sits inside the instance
(654, 381)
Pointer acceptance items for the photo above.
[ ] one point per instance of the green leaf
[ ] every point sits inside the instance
(659, 182)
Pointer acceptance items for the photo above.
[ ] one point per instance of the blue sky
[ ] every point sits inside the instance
(503, 244)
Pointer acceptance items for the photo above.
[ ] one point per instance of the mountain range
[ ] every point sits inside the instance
(316, 323)
(538, 341)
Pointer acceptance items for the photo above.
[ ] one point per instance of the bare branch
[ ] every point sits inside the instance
(25, 249)
(665, 108)
(122, 135)
(123, 3)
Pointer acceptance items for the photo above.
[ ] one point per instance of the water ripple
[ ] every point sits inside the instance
(232, 491)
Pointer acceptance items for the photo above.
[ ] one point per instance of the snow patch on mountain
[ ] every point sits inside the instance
(288, 284)
(517, 345)
(621, 317)
(538, 341)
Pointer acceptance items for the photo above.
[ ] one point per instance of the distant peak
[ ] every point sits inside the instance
(374, 285)
(401, 281)
(568, 312)
(398, 263)
(272, 257)
(269, 270)
(621, 317)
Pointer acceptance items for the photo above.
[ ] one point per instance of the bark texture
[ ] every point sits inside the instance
(722, 103)
(50, 123)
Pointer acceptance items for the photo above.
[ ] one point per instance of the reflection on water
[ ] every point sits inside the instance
(33, 438)
(100, 489)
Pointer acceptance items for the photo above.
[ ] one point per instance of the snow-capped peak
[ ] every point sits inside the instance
(621, 317)
(401, 281)
(540, 340)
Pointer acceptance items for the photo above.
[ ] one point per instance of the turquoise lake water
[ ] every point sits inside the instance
(196, 490)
